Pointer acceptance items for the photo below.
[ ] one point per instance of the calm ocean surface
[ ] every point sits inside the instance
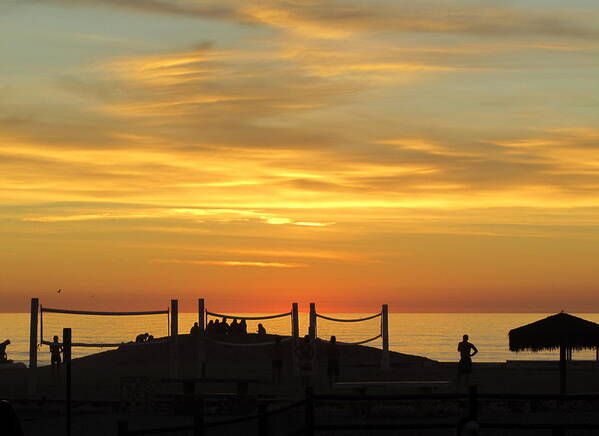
(434, 335)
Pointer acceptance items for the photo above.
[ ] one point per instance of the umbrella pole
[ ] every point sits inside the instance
(562, 369)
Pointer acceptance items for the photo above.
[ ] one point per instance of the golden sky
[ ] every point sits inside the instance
(435, 155)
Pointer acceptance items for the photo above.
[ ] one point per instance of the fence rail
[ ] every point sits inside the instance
(310, 425)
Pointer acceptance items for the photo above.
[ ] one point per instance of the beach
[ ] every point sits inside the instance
(101, 377)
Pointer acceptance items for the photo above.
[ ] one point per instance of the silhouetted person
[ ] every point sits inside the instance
(216, 328)
(210, 327)
(261, 330)
(277, 361)
(9, 421)
(150, 338)
(243, 327)
(3, 355)
(55, 360)
(466, 350)
(234, 328)
(305, 354)
(333, 361)
(142, 337)
(195, 330)
(224, 327)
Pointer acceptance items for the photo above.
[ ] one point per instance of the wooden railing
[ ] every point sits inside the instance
(310, 426)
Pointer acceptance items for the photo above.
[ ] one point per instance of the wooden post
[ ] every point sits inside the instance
(385, 336)
(473, 402)
(123, 428)
(200, 346)
(562, 370)
(174, 342)
(309, 412)
(295, 337)
(201, 314)
(66, 352)
(313, 333)
(263, 420)
(295, 320)
(198, 417)
(32, 373)
(312, 330)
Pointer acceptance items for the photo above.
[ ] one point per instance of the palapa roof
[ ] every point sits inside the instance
(553, 331)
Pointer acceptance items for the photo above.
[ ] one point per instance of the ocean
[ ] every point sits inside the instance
(433, 335)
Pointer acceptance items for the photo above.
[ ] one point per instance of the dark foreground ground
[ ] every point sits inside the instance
(104, 392)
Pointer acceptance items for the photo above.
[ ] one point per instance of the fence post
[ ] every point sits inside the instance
(385, 336)
(66, 352)
(32, 373)
(473, 402)
(295, 337)
(200, 346)
(174, 343)
(263, 420)
(309, 412)
(123, 428)
(198, 418)
(312, 330)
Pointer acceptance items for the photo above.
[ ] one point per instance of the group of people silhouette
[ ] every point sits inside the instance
(144, 337)
(221, 328)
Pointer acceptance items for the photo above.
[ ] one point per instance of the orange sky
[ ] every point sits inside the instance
(436, 156)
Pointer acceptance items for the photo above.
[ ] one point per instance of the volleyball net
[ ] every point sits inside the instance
(292, 315)
(97, 326)
(315, 315)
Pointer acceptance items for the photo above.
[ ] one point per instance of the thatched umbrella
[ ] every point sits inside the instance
(562, 331)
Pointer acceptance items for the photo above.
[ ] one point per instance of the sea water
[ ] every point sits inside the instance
(433, 335)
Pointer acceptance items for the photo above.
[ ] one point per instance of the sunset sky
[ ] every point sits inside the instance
(436, 155)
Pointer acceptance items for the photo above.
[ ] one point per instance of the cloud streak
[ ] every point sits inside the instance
(235, 263)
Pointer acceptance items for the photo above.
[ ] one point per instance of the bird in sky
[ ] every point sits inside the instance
(59, 291)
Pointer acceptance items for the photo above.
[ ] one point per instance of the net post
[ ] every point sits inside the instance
(312, 331)
(295, 337)
(385, 336)
(66, 347)
(32, 379)
(201, 314)
(174, 343)
(200, 346)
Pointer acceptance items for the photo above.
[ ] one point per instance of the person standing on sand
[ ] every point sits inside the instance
(467, 351)
(55, 360)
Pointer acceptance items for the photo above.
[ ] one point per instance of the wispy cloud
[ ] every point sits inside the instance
(341, 19)
(243, 263)
(302, 133)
